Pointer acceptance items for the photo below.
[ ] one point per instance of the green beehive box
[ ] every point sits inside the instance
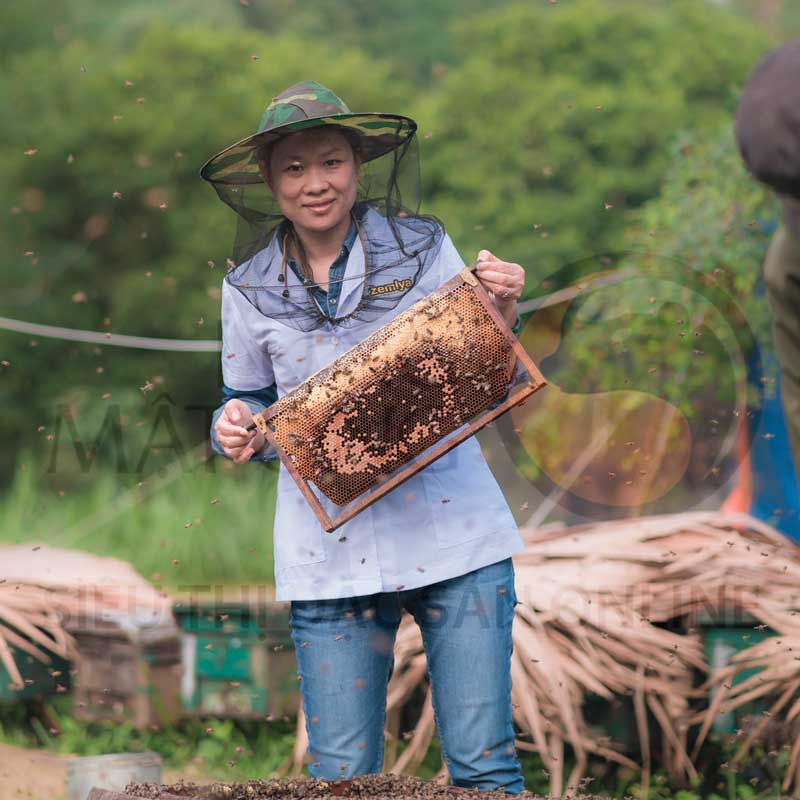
(720, 643)
(237, 659)
(40, 679)
(127, 673)
(613, 718)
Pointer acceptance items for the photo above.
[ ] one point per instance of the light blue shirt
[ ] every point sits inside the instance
(328, 300)
(448, 519)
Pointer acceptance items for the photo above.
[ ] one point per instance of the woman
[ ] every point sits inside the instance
(328, 250)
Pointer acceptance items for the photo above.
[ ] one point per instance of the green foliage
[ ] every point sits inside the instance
(414, 36)
(40, 23)
(713, 217)
(542, 125)
(780, 17)
(135, 262)
(221, 749)
(691, 262)
(559, 119)
(182, 529)
(677, 323)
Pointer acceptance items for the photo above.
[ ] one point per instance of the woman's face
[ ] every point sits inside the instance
(313, 176)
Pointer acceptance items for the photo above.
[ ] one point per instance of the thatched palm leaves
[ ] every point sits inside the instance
(594, 601)
(42, 588)
(30, 622)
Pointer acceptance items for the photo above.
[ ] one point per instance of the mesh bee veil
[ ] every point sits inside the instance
(398, 244)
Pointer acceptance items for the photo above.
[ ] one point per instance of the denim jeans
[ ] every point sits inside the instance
(345, 659)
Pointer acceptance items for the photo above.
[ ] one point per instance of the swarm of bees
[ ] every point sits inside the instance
(352, 423)
(592, 614)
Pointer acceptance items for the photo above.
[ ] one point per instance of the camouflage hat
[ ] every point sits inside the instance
(768, 120)
(306, 105)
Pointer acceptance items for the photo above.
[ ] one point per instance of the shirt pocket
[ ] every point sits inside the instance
(297, 548)
(293, 550)
(465, 500)
(298, 536)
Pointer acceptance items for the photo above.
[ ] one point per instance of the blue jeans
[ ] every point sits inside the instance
(345, 659)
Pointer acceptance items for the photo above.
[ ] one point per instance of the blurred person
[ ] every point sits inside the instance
(768, 135)
(330, 247)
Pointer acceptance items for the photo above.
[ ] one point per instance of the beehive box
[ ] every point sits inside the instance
(41, 680)
(726, 633)
(614, 718)
(113, 771)
(238, 659)
(127, 673)
(721, 643)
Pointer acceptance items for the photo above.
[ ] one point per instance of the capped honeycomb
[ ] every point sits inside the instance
(388, 399)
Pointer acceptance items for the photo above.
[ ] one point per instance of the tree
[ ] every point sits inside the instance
(660, 355)
(559, 119)
(413, 37)
(101, 179)
(40, 23)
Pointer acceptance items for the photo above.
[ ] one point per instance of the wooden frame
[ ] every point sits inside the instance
(518, 394)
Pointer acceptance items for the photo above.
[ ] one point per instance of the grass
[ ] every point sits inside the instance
(222, 749)
(184, 527)
(234, 750)
(178, 527)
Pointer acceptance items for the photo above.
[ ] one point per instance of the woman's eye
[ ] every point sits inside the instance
(294, 168)
(332, 162)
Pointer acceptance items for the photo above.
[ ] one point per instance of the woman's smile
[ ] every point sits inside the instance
(320, 207)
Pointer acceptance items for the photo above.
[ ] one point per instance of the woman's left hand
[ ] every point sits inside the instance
(504, 280)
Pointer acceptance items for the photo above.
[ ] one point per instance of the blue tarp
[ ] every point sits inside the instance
(775, 495)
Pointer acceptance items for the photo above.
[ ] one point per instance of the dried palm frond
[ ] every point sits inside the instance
(776, 682)
(591, 600)
(30, 621)
(88, 582)
(578, 631)
(677, 565)
(43, 588)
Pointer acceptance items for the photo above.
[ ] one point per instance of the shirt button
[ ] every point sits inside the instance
(333, 302)
(334, 340)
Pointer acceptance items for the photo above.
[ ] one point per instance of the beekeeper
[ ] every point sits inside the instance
(330, 247)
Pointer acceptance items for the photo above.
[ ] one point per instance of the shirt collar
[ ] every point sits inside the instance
(347, 244)
(350, 237)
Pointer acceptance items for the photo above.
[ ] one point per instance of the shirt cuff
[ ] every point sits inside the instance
(267, 453)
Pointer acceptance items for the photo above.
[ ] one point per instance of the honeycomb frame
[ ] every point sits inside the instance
(375, 416)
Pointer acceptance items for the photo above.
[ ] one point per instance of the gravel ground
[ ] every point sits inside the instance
(364, 787)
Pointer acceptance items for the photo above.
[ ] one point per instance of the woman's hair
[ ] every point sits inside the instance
(263, 152)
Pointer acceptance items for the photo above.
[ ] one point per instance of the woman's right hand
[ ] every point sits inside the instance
(237, 443)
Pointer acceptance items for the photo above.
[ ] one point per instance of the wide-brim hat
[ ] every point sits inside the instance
(307, 105)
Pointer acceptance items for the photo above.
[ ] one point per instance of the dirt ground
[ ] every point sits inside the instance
(366, 787)
(39, 775)
(30, 774)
